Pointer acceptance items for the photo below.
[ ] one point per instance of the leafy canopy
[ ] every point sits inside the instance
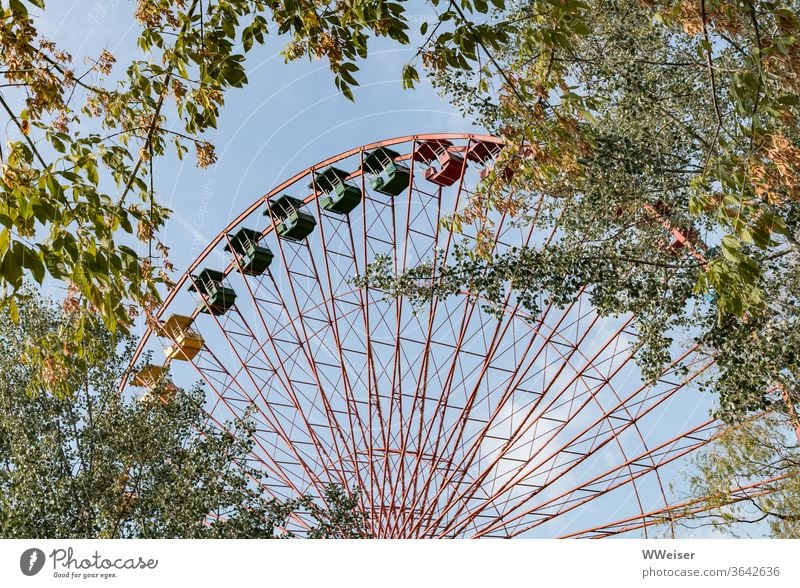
(92, 463)
(73, 204)
(660, 140)
(758, 455)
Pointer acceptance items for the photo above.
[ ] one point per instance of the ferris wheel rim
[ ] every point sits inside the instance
(225, 233)
(221, 235)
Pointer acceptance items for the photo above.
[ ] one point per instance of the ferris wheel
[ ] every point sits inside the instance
(450, 421)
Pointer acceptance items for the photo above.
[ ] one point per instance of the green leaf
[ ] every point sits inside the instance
(18, 8)
(54, 188)
(347, 92)
(731, 243)
(11, 268)
(247, 39)
(58, 144)
(788, 100)
(409, 76)
(31, 260)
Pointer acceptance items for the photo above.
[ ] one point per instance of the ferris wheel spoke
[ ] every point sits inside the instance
(437, 414)
(388, 504)
(383, 363)
(449, 481)
(206, 375)
(477, 446)
(272, 409)
(624, 474)
(446, 393)
(614, 478)
(430, 229)
(273, 469)
(244, 336)
(419, 386)
(453, 438)
(331, 322)
(463, 468)
(462, 495)
(545, 472)
(531, 421)
(673, 513)
(334, 320)
(425, 230)
(241, 337)
(400, 487)
(538, 418)
(351, 341)
(370, 382)
(636, 429)
(455, 477)
(316, 390)
(440, 408)
(418, 227)
(554, 468)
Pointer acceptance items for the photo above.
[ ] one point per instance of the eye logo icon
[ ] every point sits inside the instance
(31, 561)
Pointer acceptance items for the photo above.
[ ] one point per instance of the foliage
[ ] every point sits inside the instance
(340, 519)
(95, 464)
(688, 105)
(636, 115)
(73, 202)
(757, 454)
(625, 122)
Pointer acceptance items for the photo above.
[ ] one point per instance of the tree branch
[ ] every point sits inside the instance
(14, 118)
(156, 113)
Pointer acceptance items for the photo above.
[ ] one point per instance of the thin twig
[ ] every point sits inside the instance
(757, 99)
(24, 134)
(710, 64)
(156, 113)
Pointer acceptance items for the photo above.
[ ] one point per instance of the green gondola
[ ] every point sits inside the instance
(391, 178)
(340, 196)
(293, 223)
(215, 297)
(253, 258)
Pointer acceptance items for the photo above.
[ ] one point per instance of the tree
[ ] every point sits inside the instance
(689, 105)
(661, 136)
(92, 463)
(661, 140)
(639, 115)
(756, 455)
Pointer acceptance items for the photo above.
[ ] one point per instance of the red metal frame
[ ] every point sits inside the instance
(450, 421)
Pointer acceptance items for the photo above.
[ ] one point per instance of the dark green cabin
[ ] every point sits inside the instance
(293, 223)
(215, 297)
(340, 196)
(391, 178)
(254, 259)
